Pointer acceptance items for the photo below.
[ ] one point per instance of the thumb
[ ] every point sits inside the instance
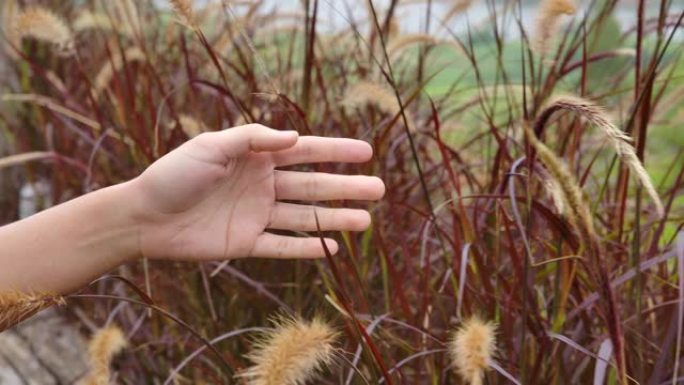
(240, 140)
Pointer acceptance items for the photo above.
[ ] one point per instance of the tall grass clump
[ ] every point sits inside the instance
(531, 151)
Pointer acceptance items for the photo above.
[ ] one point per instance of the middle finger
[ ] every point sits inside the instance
(316, 186)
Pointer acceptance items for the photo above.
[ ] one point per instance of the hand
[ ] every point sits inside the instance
(214, 196)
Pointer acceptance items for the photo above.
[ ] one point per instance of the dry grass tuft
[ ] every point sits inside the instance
(399, 45)
(383, 98)
(472, 348)
(547, 22)
(554, 190)
(125, 17)
(619, 140)
(42, 24)
(92, 20)
(183, 9)
(565, 188)
(191, 126)
(11, 41)
(457, 8)
(104, 345)
(106, 73)
(16, 306)
(291, 353)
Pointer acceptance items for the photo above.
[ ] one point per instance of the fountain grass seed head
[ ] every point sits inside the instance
(291, 353)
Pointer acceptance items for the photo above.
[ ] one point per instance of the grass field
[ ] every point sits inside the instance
(513, 196)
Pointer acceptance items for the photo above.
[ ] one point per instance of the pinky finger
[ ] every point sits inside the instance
(281, 247)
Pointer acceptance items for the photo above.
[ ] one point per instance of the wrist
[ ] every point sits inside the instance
(125, 214)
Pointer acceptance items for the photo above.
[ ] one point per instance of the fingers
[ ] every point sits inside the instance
(240, 140)
(311, 149)
(289, 216)
(316, 186)
(280, 246)
(288, 147)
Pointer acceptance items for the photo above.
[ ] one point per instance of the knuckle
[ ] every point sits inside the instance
(311, 186)
(272, 217)
(307, 151)
(305, 219)
(204, 137)
(283, 244)
(253, 127)
(352, 221)
(329, 219)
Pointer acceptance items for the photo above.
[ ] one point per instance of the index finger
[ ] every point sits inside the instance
(317, 149)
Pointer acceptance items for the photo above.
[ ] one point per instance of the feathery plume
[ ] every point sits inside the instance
(125, 15)
(183, 9)
(565, 188)
(399, 45)
(104, 76)
(12, 41)
(191, 126)
(554, 189)
(16, 306)
(291, 353)
(91, 20)
(580, 217)
(619, 140)
(547, 21)
(41, 24)
(381, 97)
(457, 8)
(393, 28)
(103, 346)
(472, 348)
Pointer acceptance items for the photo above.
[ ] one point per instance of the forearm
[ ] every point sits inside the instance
(63, 248)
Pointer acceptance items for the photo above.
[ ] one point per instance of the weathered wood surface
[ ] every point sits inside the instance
(43, 350)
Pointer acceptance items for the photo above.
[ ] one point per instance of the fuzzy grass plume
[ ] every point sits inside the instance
(92, 20)
(383, 98)
(184, 12)
(42, 24)
(471, 349)
(555, 192)
(291, 353)
(8, 13)
(401, 44)
(191, 126)
(127, 17)
(565, 188)
(16, 306)
(547, 22)
(457, 8)
(104, 345)
(106, 73)
(579, 215)
(620, 141)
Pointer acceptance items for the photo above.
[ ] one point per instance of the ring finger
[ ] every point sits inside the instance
(289, 216)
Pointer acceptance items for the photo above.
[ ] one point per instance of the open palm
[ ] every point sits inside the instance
(216, 195)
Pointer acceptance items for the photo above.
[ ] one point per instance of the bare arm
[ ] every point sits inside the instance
(213, 198)
(63, 248)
